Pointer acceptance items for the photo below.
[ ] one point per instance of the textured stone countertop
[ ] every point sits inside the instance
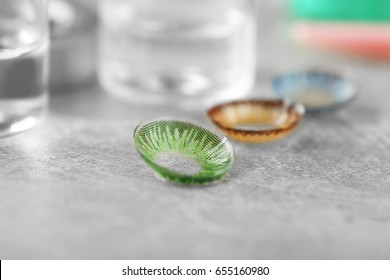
(75, 187)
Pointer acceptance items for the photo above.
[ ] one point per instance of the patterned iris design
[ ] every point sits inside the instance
(180, 141)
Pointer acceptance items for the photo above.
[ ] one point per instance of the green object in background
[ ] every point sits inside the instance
(346, 10)
(182, 152)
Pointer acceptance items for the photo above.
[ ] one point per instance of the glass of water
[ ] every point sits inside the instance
(181, 52)
(23, 64)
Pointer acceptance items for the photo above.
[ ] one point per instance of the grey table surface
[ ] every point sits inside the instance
(75, 188)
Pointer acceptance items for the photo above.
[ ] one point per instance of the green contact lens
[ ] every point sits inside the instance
(183, 152)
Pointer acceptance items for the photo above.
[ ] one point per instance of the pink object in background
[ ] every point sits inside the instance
(366, 40)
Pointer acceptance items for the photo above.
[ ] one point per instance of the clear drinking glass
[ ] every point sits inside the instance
(181, 52)
(23, 64)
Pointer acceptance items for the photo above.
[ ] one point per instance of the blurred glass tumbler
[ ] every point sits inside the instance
(180, 52)
(23, 64)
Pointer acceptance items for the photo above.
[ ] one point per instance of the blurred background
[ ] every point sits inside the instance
(332, 34)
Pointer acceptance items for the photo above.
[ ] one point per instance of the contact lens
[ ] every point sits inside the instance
(183, 152)
(256, 121)
(318, 91)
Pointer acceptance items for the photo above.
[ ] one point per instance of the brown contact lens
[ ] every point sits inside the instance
(256, 121)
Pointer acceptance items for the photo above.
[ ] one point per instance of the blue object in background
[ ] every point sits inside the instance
(319, 92)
